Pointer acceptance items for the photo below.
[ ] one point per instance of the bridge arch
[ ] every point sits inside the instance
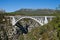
(30, 18)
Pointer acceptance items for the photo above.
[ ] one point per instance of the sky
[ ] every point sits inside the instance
(13, 5)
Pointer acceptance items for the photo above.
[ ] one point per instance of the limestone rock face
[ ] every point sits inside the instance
(9, 32)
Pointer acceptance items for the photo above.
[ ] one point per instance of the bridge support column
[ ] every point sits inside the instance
(13, 21)
(46, 20)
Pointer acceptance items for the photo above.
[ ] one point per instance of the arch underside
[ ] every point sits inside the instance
(29, 18)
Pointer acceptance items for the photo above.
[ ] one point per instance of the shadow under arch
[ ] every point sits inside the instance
(24, 29)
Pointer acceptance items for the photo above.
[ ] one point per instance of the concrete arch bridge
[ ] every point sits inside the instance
(40, 19)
